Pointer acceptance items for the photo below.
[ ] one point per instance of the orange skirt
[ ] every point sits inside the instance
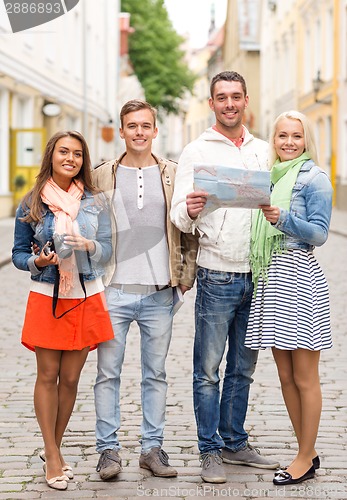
(85, 326)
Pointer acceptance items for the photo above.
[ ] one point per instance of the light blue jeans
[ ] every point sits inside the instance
(221, 314)
(153, 314)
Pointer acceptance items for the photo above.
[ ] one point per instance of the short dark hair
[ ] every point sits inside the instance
(137, 105)
(228, 76)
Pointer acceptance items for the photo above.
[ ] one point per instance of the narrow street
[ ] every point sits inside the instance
(21, 474)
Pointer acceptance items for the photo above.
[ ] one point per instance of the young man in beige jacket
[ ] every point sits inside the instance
(151, 257)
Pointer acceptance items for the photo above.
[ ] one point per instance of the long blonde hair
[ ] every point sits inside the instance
(32, 199)
(310, 144)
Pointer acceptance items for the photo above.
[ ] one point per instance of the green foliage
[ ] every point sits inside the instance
(155, 53)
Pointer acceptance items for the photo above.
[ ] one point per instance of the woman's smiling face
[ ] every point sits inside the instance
(67, 161)
(289, 139)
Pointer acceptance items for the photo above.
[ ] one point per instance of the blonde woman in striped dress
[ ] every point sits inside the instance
(290, 309)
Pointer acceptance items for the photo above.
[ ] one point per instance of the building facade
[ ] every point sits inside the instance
(301, 65)
(60, 75)
(340, 92)
(241, 53)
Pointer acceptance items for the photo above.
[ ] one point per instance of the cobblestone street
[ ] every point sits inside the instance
(21, 474)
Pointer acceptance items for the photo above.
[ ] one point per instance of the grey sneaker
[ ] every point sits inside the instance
(109, 465)
(157, 461)
(212, 468)
(248, 456)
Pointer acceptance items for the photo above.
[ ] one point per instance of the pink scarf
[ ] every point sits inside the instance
(65, 206)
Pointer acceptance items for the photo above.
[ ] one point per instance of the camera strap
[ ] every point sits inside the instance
(56, 291)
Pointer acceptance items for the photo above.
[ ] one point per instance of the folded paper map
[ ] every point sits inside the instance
(232, 187)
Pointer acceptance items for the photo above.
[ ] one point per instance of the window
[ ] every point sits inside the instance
(328, 46)
(328, 146)
(308, 76)
(317, 49)
(4, 142)
(22, 112)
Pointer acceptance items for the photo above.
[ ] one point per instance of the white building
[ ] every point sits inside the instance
(72, 62)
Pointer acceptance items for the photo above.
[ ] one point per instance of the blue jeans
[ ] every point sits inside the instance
(221, 314)
(153, 314)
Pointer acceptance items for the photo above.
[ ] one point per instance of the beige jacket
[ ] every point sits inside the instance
(182, 247)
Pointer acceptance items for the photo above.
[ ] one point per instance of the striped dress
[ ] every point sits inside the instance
(292, 310)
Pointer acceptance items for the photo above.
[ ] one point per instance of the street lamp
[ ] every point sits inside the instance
(317, 85)
(51, 109)
(272, 4)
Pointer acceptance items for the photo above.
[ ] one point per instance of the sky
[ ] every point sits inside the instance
(194, 17)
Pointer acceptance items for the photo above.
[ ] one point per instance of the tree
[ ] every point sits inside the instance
(156, 56)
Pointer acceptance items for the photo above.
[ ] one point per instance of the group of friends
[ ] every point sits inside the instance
(107, 246)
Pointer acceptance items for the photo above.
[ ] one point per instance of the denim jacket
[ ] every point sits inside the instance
(306, 224)
(94, 224)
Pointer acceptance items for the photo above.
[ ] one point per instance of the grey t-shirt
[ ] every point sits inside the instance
(142, 255)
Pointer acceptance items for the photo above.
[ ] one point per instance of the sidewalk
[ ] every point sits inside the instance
(6, 240)
(21, 474)
(338, 226)
(338, 223)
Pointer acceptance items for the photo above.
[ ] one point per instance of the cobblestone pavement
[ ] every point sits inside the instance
(21, 474)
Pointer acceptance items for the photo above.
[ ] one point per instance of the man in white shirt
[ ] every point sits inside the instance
(224, 283)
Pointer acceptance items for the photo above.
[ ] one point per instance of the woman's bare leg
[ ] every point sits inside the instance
(58, 373)
(306, 375)
(71, 365)
(46, 403)
(291, 396)
(285, 361)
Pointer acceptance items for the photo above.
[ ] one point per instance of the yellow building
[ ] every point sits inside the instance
(198, 114)
(279, 61)
(317, 75)
(241, 53)
(302, 65)
(205, 63)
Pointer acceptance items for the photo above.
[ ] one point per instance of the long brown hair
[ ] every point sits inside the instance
(32, 199)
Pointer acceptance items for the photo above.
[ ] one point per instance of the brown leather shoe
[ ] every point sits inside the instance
(109, 465)
(157, 461)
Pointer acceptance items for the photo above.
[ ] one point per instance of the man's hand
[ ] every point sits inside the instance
(195, 203)
(184, 288)
(271, 213)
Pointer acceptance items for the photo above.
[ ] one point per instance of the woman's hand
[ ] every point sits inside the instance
(78, 242)
(44, 260)
(271, 214)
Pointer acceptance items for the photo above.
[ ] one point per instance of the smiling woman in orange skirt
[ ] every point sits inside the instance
(68, 223)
